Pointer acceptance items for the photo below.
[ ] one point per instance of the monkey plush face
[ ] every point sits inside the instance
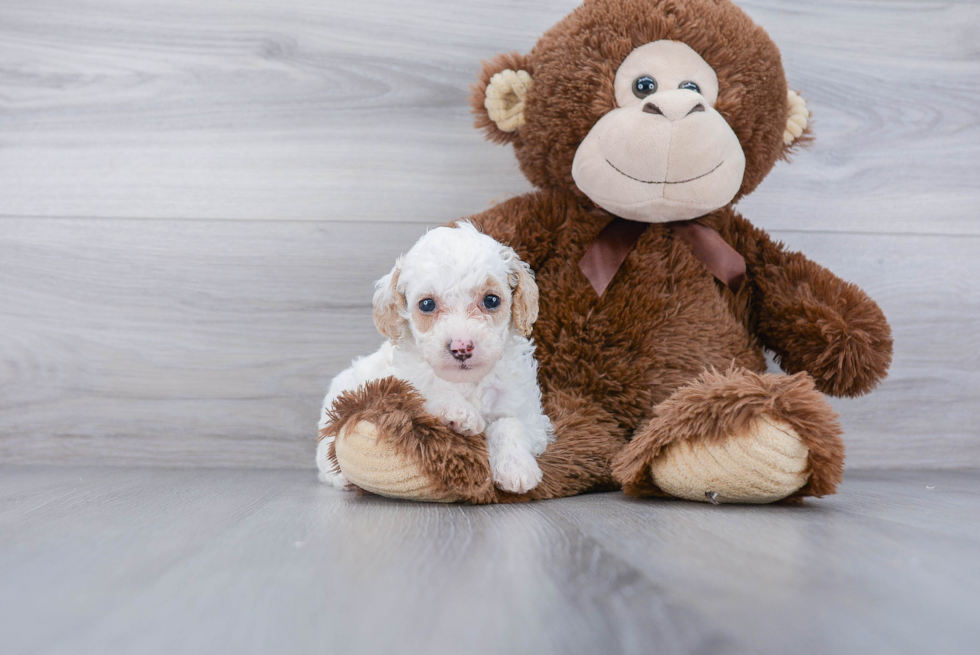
(664, 153)
(654, 110)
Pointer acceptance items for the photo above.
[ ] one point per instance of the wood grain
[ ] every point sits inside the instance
(357, 111)
(193, 561)
(197, 198)
(211, 342)
(201, 342)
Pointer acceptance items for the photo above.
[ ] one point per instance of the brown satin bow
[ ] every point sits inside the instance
(608, 252)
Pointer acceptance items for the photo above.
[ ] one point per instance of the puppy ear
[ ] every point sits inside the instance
(499, 96)
(525, 292)
(389, 303)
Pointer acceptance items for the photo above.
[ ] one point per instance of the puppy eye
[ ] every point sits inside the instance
(644, 86)
(491, 301)
(427, 305)
(690, 86)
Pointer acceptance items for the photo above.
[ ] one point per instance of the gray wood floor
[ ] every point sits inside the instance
(111, 560)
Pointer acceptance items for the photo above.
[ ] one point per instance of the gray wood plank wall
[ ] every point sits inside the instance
(195, 199)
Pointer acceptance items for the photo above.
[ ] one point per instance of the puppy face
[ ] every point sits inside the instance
(458, 295)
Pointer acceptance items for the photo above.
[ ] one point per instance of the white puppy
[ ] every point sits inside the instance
(457, 310)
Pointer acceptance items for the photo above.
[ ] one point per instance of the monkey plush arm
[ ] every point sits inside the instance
(525, 223)
(815, 322)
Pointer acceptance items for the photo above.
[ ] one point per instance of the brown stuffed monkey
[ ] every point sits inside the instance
(641, 123)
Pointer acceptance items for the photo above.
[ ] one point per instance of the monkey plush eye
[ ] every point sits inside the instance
(491, 301)
(690, 86)
(427, 305)
(644, 86)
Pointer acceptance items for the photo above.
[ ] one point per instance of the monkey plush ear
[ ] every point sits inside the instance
(797, 121)
(389, 303)
(499, 95)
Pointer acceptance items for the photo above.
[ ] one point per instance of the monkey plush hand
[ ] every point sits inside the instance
(641, 123)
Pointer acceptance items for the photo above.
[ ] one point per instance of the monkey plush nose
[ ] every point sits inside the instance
(462, 349)
(674, 105)
(651, 108)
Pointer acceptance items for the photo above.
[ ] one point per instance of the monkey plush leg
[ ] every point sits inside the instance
(736, 437)
(386, 443)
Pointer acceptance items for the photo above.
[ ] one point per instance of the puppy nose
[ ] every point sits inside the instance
(462, 349)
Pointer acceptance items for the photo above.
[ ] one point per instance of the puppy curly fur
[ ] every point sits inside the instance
(466, 353)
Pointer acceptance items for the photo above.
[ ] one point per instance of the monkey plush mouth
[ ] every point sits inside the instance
(666, 182)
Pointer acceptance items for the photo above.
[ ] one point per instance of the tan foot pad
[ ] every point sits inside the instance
(766, 463)
(375, 466)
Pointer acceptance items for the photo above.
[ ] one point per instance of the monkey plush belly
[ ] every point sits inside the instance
(661, 322)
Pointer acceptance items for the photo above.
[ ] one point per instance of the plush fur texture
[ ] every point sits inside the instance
(580, 461)
(575, 62)
(717, 405)
(472, 363)
(458, 464)
(667, 352)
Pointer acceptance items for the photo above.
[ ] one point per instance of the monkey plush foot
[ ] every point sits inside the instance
(387, 444)
(736, 437)
(372, 463)
(764, 463)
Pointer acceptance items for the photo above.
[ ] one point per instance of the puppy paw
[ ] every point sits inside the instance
(516, 471)
(462, 419)
(337, 480)
(328, 473)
